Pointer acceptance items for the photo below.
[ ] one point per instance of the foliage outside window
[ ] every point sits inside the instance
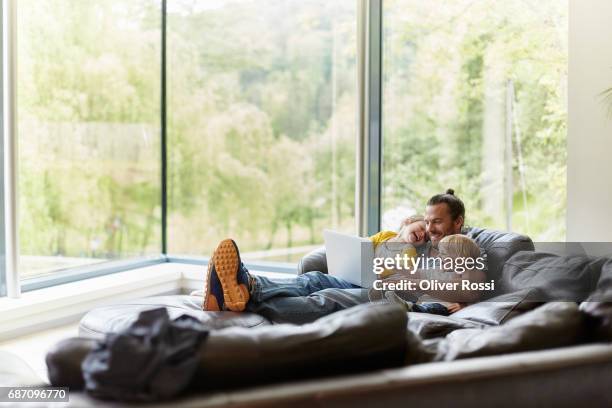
(475, 99)
(262, 104)
(262, 124)
(88, 132)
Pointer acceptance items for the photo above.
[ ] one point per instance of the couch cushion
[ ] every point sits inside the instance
(492, 312)
(499, 247)
(429, 326)
(554, 324)
(315, 260)
(360, 338)
(598, 306)
(501, 308)
(113, 318)
(558, 278)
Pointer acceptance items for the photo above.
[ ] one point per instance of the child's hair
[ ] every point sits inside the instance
(458, 245)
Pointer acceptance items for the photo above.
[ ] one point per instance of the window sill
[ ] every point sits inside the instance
(61, 304)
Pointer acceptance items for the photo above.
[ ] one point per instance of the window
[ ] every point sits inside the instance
(474, 98)
(261, 124)
(88, 132)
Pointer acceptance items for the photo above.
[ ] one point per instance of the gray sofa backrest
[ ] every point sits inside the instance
(499, 246)
(315, 260)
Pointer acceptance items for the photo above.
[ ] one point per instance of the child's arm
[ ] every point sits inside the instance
(455, 307)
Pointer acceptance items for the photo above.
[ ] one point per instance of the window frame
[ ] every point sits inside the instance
(3, 271)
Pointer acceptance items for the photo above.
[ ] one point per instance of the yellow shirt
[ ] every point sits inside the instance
(382, 236)
(383, 252)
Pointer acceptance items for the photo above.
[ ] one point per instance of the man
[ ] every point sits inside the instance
(306, 297)
(444, 216)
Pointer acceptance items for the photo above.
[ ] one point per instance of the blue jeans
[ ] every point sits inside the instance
(301, 285)
(303, 298)
(432, 308)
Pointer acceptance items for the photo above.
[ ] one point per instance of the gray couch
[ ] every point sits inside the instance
(527, 344)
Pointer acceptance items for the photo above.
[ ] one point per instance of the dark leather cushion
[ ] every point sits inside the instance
(555, 324)
(492, 312)
(430, 326)
(558, 278)
(365, 337)
(499, 309)
(114, 318)
(360, 338)
(598, 306)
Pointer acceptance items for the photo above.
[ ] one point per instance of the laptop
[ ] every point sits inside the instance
(350, 258)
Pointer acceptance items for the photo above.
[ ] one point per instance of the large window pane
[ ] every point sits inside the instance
(262, 124)
(474, 98)
(88, 132)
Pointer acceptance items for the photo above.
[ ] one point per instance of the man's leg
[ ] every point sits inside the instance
(229, 286)
(262, 288)
(306, 309)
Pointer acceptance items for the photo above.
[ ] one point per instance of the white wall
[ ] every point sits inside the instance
(589, 141)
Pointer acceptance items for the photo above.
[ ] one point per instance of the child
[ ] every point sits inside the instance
(388, 244)
(450, 247)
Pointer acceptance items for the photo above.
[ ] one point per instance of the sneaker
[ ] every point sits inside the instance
(227, 284)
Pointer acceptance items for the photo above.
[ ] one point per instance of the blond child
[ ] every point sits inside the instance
(451, 247)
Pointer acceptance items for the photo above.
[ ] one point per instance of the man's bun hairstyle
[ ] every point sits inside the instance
(455, 205)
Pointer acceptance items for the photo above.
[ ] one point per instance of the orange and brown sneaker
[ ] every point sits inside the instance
(227, 284)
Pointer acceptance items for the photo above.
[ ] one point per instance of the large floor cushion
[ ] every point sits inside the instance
(114, 318)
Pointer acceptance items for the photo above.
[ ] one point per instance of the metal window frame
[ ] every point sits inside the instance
(68, 275)
(164, 134)
(2, 234)
(9, 150)
(369, 149)
(282, 267)
(85, 272)
(369, 159)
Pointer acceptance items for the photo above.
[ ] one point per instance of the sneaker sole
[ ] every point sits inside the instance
(210, 303)
(227, 261)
